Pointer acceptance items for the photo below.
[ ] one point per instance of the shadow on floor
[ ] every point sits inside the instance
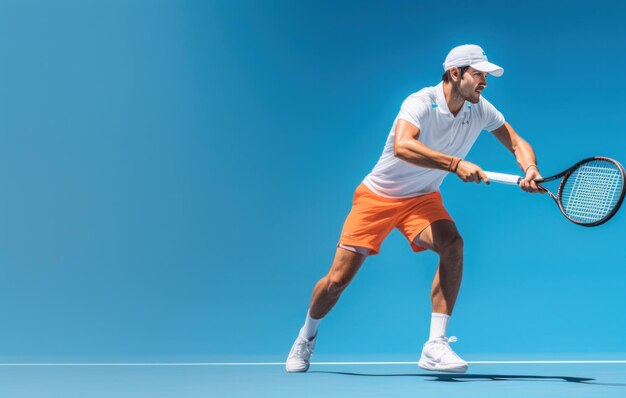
(451, 377)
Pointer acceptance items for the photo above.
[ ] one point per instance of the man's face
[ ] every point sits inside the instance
(471, 85)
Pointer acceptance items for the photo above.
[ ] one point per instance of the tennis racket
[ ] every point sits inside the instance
(590, 192)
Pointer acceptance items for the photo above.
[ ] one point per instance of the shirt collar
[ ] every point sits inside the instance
(442, 105)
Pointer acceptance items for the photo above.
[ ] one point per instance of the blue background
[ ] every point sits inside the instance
(175, 177)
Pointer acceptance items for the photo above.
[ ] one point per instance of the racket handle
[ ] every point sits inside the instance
(503, 178)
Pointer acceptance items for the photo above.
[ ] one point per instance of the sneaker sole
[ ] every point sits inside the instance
(433, 366)
(297, 370)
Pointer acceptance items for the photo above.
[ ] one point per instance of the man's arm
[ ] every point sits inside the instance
(524, 155)
(408, 148)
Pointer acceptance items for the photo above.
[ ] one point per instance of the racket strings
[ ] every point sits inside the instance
(592, 191)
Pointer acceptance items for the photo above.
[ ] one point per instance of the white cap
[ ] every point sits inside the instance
(471, 55)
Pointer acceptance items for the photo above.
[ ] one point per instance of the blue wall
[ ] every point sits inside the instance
(175, 176)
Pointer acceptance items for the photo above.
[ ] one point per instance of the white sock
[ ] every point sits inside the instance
(438, 325)
(309, 330)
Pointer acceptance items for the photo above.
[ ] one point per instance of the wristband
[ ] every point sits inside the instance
(450, 164)
(454, 164)
(529, 166)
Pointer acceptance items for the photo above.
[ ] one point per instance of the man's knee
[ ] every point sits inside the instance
(336, 284)
(450, 246)
(345, 266)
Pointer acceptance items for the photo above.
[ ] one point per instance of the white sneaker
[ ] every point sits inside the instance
(301, 351)
(437, 355)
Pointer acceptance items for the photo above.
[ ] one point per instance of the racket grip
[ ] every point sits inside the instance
(503, 178)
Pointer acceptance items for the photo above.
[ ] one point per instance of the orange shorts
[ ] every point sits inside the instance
(373, 217)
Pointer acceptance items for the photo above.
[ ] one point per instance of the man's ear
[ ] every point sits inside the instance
(454, 73)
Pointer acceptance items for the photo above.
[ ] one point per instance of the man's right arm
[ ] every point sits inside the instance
(407, 147)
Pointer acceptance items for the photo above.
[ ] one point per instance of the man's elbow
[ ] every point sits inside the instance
(399, 150)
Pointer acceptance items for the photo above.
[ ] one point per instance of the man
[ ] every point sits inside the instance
(433, 132)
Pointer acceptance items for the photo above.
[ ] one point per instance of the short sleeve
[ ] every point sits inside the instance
(414, 110)
(492, 117)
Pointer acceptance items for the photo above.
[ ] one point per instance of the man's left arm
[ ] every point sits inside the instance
(524, 155)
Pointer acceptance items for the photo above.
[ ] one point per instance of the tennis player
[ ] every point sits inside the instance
(429, 139)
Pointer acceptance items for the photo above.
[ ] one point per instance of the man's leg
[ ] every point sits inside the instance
(347, 262)
(443, 238)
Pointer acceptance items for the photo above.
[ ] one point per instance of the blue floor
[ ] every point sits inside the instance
(483, 380)
(571, 380)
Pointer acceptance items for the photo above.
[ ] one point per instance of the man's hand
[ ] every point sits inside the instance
(469, 172)
(528, 184)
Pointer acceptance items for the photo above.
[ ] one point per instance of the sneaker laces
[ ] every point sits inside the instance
(443, 344)
(304, 348)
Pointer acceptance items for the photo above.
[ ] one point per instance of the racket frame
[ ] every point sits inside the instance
(515, 180)
(567, 173)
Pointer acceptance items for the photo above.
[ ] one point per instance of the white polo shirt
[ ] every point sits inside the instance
(440, 130)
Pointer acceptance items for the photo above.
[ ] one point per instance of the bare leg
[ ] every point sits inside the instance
(326, 293)
(443, 238)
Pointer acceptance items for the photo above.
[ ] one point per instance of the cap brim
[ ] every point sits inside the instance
(488, 67)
